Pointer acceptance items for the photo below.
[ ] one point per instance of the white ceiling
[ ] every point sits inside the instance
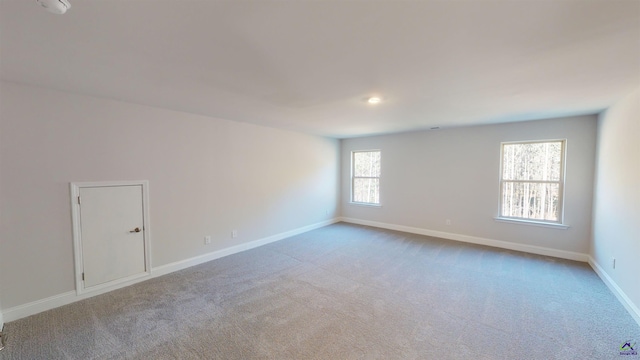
(310, 65)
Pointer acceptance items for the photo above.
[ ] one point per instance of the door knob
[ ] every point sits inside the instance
(135, 230)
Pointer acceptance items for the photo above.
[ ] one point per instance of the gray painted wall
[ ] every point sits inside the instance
(616, 224)
(430, 176)
(207, 176)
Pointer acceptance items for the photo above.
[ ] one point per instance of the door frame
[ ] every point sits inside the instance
(77, 235)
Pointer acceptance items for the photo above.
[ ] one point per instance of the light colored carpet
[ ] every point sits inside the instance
(344, 292)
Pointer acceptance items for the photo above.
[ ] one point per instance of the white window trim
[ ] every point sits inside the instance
(365, 204)
(520, 221)
(351, 181)
(559, 224)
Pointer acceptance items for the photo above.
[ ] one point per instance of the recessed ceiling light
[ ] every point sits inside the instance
(374, 100)
(55, 6)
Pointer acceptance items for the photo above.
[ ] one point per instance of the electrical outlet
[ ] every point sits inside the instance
(448, 222)
(234, 233)
(207, 240)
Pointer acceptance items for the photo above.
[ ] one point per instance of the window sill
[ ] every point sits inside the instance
(532, 223)
(365, 204)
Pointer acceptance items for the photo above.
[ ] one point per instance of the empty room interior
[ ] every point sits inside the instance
(319, 179)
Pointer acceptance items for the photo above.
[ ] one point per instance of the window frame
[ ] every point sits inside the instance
(353, 178)
(561, 186)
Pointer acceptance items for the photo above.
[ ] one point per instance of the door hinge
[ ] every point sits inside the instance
(78, 200)
(82, 276)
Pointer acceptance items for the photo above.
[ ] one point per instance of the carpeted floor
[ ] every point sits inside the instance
(344, 292)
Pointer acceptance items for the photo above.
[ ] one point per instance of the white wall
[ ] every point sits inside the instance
(616, 225)
(430, 176)
(207, 176)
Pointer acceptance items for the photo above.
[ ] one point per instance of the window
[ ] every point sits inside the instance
(365, 177)
(532, 181)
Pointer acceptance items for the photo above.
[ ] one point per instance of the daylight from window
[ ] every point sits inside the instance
(365, 178)
(532, 181)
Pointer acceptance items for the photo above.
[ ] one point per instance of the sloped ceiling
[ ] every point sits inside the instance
(310, 65)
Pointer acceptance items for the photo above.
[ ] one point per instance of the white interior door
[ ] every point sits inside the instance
(112, 233)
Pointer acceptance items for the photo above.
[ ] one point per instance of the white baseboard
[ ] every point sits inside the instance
(20, 311)
(563, 254)
(616, 290)
(32, 308)
(183, 264)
